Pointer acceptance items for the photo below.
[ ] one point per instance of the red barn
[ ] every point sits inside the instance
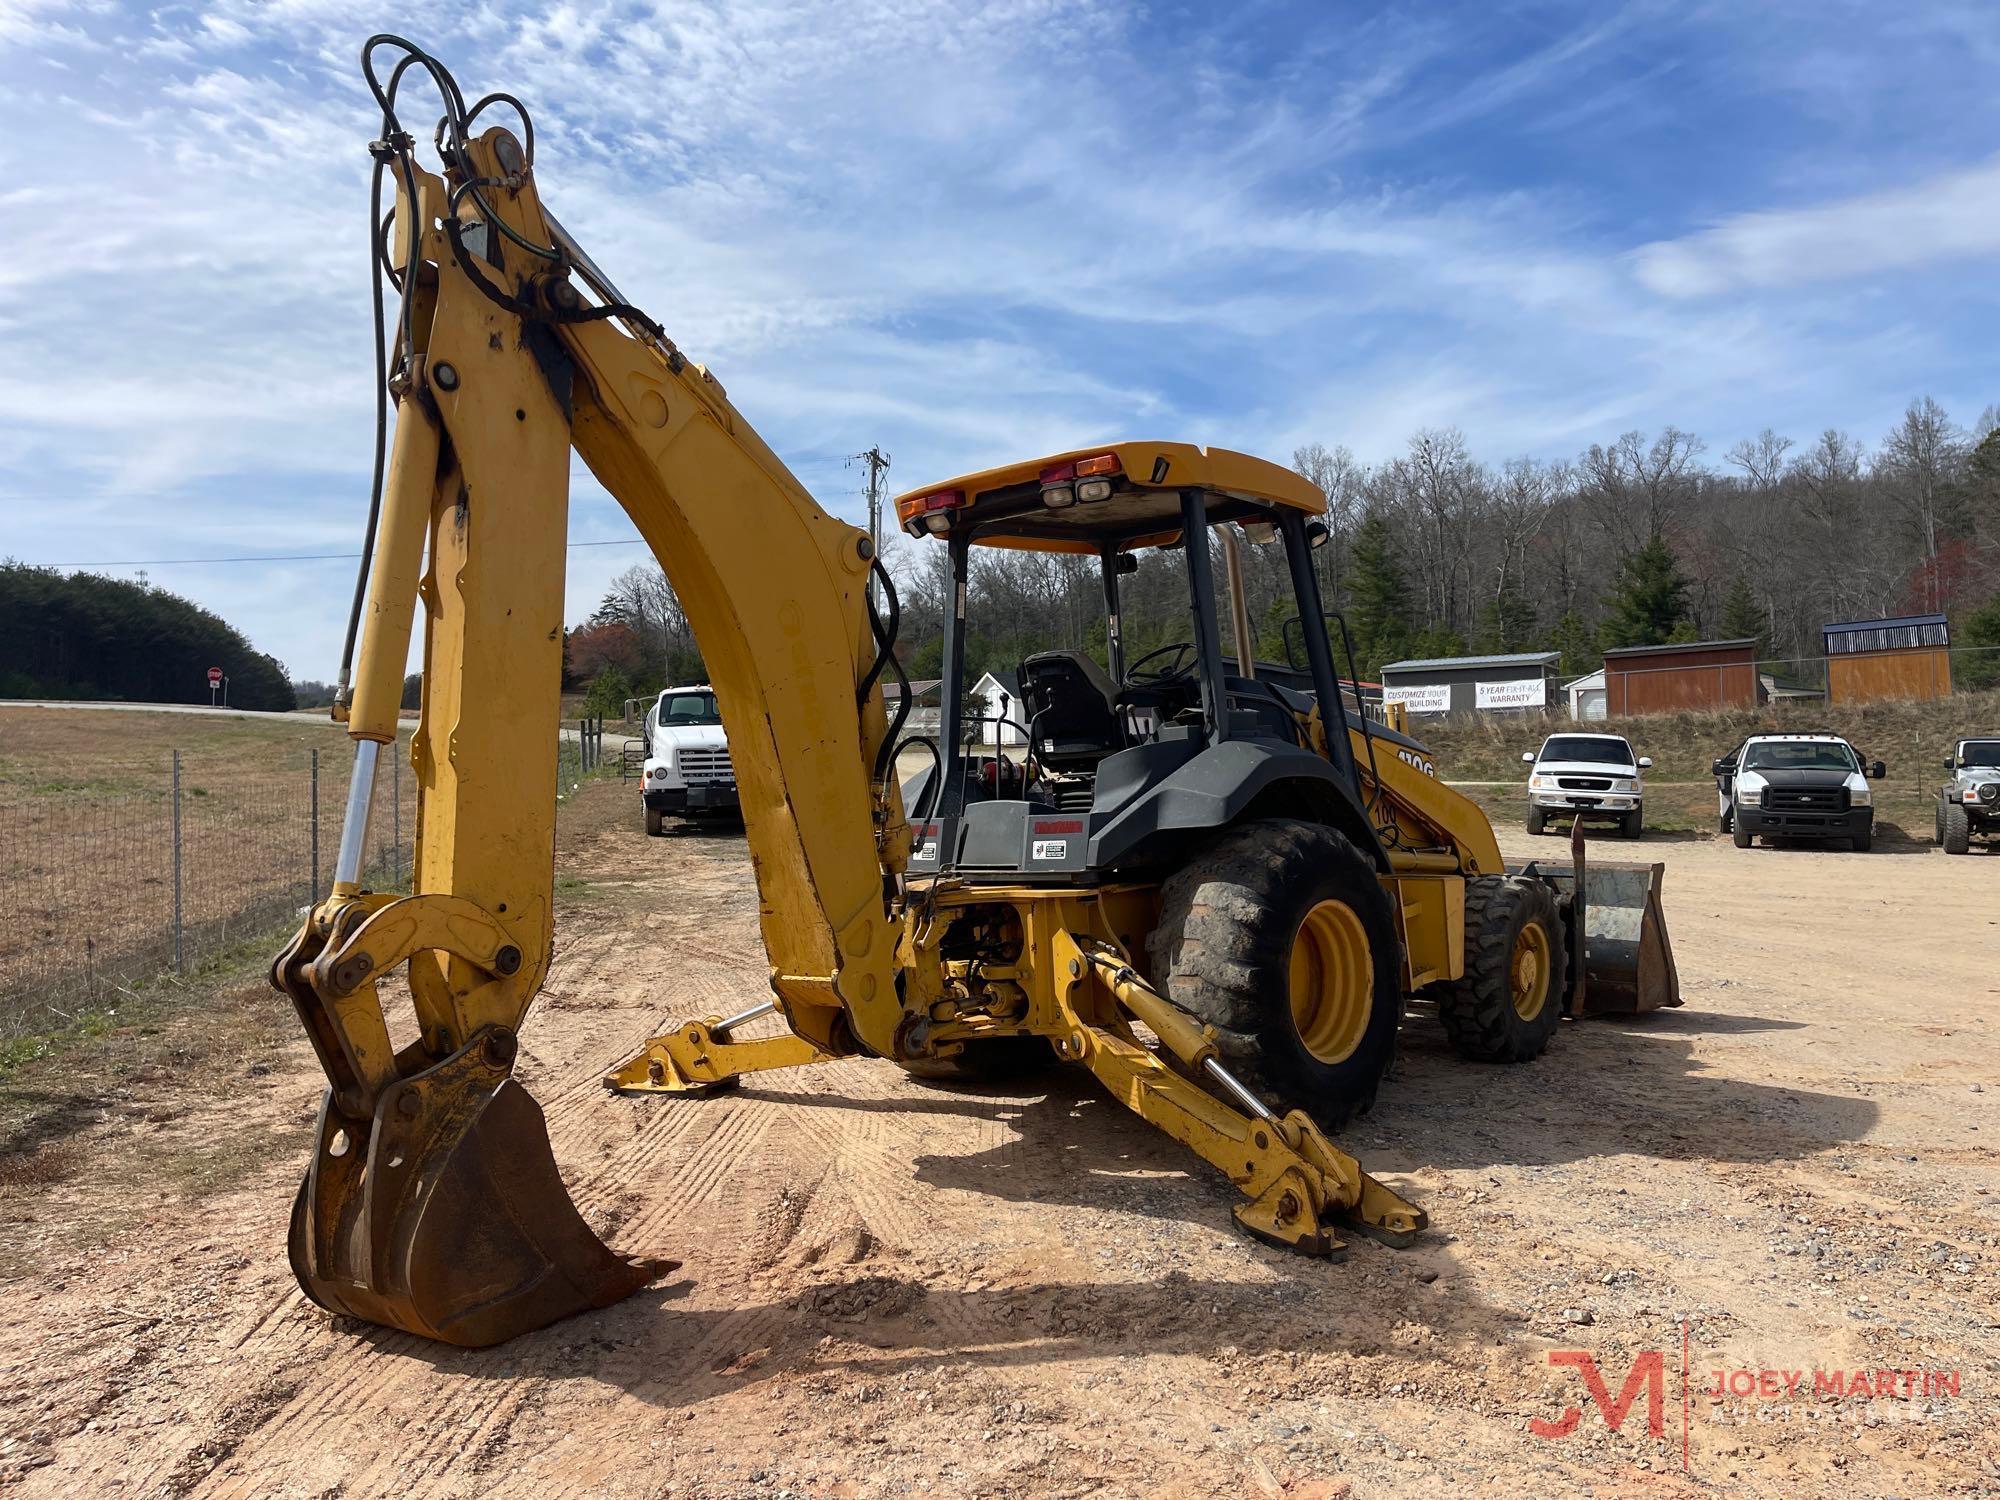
(1693, 674)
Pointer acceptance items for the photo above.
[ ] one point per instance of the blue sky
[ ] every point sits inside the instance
(970, 233)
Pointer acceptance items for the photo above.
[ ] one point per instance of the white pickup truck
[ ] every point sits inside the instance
(1587, 776)
(688, 774)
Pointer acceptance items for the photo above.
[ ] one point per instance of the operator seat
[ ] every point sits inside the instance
(1072, 723)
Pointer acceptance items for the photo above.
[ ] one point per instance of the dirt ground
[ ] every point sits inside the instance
(894, 1289)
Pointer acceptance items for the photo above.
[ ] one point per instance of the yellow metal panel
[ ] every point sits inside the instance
(1431, 912)
(1186, 467)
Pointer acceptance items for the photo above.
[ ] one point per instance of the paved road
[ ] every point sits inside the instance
(163, 708)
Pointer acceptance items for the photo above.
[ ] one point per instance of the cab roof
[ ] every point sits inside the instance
(1009, 506)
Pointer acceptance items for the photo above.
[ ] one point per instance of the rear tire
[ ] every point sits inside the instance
(1507, 1005)
(1536, 819)
(1280, 936)
(1743, 836)
(656, 822)
(1722, 822)
(1954, 829)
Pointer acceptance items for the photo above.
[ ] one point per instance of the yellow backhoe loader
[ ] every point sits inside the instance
(1211, 889)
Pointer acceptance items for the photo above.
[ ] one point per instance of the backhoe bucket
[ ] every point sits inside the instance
(445, 1216)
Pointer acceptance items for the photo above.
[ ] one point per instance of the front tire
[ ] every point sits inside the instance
(1954, 829)
(1507, 1005)
(656, 822)
(1863, 841)
(1633, 824)
(1743, 836)
(1280, 936)
(1536, 819)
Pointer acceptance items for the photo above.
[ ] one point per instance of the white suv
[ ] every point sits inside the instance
(1587, 776)
(688, 774)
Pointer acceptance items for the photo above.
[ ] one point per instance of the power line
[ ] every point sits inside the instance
(878, 465)
(190, 562)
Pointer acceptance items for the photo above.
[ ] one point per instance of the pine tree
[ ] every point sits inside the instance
(1508, 621)
(1572, 638)
(1743, 618)
(1379, 609)
(1977, 663)
(1649, 599)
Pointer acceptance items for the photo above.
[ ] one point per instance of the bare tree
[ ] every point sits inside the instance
(1919, 459)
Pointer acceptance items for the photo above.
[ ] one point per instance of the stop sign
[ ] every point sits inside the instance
(214, 676)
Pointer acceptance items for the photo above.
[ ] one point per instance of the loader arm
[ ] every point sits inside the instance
(433, 1203)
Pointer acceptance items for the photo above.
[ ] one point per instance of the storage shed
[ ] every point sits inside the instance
(1519, 683)
(1691, 674)
(1869, 660)
(1586, 696)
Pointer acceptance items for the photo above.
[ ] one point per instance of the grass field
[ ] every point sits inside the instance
(88, 844)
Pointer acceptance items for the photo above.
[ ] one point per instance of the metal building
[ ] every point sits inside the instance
(1869, 660)
(1524, 682)
(1690, 674)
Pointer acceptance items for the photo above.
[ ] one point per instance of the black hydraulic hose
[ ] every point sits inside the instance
(936, 788)
(376, 260)
(885, 657)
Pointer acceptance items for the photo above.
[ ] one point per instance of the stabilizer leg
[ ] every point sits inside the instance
(699, 1058)
(1300, 1185)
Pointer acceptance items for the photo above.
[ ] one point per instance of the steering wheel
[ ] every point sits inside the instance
(1177, 664)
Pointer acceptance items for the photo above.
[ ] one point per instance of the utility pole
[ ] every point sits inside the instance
(878, 465)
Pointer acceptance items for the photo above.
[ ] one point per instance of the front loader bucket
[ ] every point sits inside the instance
(445, 1216)
(1628, 962)
(1622, 962)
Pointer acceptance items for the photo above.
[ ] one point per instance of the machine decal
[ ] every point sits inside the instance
(1051, 848)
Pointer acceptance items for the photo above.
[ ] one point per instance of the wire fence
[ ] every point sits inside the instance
(115, 880)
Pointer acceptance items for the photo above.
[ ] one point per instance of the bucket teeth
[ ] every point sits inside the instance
(444, 1214)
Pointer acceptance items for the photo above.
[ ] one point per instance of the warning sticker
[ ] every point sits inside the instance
(926, 851)
(1051, 848)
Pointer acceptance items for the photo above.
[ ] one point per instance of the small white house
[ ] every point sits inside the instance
(998, 696)
(1586, 697)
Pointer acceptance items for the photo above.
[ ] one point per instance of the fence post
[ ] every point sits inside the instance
(312, 857)
(180, 954)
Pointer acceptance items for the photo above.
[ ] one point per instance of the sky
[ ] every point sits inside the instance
(973, 233)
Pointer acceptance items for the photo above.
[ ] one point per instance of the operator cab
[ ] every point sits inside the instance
(1116, 757)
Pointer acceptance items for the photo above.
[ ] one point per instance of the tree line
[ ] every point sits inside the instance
(1644, 540)
(84, 636)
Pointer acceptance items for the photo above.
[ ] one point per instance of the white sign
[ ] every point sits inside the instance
(1429, 698)
(1525, 692)
(1051, 848)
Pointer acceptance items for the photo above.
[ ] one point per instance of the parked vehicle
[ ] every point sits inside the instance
(688, 772)
(1969, 804)
(1802, 786)
(1593, 777)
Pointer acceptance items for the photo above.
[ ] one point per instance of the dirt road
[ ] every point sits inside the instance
(893, 1289)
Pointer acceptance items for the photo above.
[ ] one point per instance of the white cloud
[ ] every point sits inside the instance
(961, 232)
(1950, 216)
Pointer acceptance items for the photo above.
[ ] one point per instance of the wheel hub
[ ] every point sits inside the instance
(1332, 981)
(1528, 973)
